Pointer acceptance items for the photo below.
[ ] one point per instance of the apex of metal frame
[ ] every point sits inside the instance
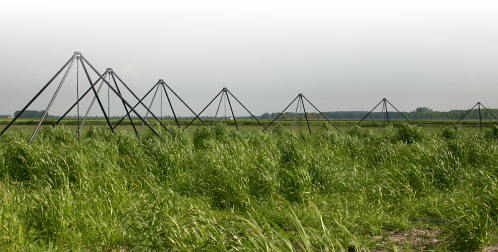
(109, 69)
(161, 80)
(77, 53)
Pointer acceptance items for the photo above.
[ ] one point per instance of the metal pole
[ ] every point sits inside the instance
(198, 116)
(226, 108)
(136, 105)
(128, 104)
(51, 101)
(136, 97)
(245, 108)
(77, 89)
(170, 105)
(321, 113)
(215, 115)
(369, 112)
(36, 96)
(479, 123)
(184, 103)
(124, 105)
(162, 105)
(295, 114)
(230, 104)
(80, 126)
(305, 116)
(387, 112)
(300, 113)
(399, 112)
(280, 114)
(489, 112)
(97, 96)
(150, 106)
(81, 98)
(466, 113)
(382, 114)
(109, 98)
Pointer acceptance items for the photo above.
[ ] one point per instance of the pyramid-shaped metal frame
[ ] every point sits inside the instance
(224, 94)
(160, 87)
(384, 102)
(479, 117)
(80, 59)
(300, 102)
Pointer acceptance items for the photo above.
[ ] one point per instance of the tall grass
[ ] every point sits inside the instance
(224, 190)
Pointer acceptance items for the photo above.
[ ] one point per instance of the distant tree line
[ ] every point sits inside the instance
(32, 114)
(418, 114)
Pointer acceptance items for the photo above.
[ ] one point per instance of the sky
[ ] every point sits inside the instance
(341, 55)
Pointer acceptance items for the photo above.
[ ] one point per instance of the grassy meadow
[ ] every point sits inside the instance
(407, 187)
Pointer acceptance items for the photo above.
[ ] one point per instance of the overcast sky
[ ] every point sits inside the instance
(342, 55)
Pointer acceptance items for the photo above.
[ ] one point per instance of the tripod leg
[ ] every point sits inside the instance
(150, 106)
(136, 105)
(198, 116)
(280, 113)
(126, 102)
(80, 126)
(245, 108)
(479, 125)
(369, 113)
(124, 105)
(51, 101)
(466, 113)
(387, 112)
(381, 116)
(98, 98)
(185, 103)
(233, 115)
(218, 109)
(36, 96)
(295, 114)
(171, 106)
(489, 112)
(322, 114)
(305, 116)
(399, 112)
(136, 97)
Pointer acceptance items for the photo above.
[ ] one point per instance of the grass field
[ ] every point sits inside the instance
(409, 187)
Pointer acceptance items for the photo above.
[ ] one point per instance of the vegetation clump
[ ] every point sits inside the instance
(224, 190)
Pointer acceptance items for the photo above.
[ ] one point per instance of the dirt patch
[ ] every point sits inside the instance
(416, 239)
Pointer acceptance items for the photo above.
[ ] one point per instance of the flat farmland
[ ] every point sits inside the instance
(249, 125)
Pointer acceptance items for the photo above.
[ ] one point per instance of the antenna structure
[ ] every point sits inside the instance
(384, 102)
(300, 105)
(224, 97)
(81, 60)
(479, 116)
